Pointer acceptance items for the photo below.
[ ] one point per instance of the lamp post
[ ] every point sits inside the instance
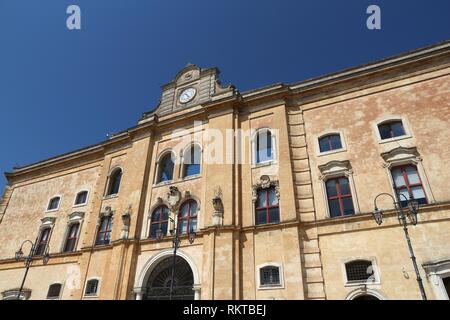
(29, 259)
(413, 209)
(175, 244)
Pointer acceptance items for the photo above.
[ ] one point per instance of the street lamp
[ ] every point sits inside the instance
(29, 259)
(413, 209)
(175, 244)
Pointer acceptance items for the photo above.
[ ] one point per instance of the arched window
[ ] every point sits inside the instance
(165, 168)
(72, 236)
(191, 161)
(269, 276)
(340, 201)
(391, 129)
(81, 198)
(187, 217)
(267, 207)
(330, 142)
(114, 182)
(54, 291)
(91, 287)
(159, 220)
(44, 238)
(408, 184)
(53, 204)
(104, 230)
(264, 146)
(359, 271)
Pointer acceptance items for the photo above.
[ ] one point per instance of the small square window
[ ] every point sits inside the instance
(91, 287)
(54, 291)
(359, 271)
(391, 129)
(270, 276)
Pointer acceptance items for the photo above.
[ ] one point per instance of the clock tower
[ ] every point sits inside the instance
(191, 87)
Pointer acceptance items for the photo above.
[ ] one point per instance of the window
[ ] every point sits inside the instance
(269, 276)
(187, 217)
(166, 167)
(330, 142)
(81, 198)
(266, 206)
(391, 129)
(114, 182)
(43, 241)
(91, 287)
(53, 204)
(54, 291)
(72, 236)
(104, 231)
(264, 148)
(159, 220)
(340, 202)
(359, 271)
(408, 184)
(191, 161)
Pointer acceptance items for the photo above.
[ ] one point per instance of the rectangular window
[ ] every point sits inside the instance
(72, 238)
(104, 231)
(266, 206)
(408, 184)
(43, 242)
(340, 201)
(264, 150)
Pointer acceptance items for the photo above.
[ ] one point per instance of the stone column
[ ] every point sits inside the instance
(197, 288)
(139, 293)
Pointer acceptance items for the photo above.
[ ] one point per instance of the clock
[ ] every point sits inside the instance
(187, 95)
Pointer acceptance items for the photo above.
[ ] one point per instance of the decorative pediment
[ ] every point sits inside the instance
(265, 182)
(399, 155)
(107, 212)
(191, 87)
(76, 216)
(334, 168)
(13, 293)
(48, 221)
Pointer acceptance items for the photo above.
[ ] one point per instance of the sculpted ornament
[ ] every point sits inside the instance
(265, 183)
(173, 197)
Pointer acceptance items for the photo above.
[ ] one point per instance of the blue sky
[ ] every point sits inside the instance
(61, 90)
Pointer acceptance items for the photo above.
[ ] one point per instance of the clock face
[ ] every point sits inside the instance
(187, 95)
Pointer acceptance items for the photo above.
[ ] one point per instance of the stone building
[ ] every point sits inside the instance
(275, 186)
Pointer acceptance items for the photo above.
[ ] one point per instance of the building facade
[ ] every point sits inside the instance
(275, 186)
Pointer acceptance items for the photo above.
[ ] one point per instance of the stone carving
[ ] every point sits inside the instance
(264, 183)
(108, 212)
(218, 207)
(173, 197)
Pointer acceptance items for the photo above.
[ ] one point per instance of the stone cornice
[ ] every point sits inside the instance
(315, 89)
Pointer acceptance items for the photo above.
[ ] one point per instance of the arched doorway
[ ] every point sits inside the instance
(366, 297)
(158, 283)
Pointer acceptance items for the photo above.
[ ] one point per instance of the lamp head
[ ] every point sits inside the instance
(413, 209)
(46, 257)
(191, 237)
(19, 254)
(378, 215)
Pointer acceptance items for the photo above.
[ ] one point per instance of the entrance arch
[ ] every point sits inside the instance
(365, 294)
(155, 277)
(160, 279)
